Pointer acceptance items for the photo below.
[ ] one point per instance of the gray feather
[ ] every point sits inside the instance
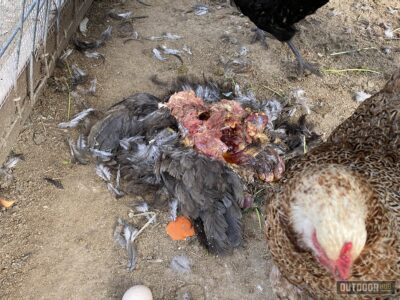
(103, 172)
(76, 119)
(181, 264)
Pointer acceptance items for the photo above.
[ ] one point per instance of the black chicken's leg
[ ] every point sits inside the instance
(259, 36)
(303, 65)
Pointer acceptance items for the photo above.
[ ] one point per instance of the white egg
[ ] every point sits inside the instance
(138, 292)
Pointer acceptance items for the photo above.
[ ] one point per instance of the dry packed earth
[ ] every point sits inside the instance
(58, 243)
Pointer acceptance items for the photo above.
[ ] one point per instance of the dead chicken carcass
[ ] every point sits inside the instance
(225, 130)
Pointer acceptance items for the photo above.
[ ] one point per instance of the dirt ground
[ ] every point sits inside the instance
(58, 243)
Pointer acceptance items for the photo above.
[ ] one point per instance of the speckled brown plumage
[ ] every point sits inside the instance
(375, 125)
(367, 145)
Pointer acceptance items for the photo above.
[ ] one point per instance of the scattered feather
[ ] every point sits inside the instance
(171, 36)
(106, 34)
(133, 37)
(226, 38)
(236, 65)
(299, 96)
(117, 193)
(81, 143)
(66, 54)
(170, 51)
(142, 207)
(12, 161)
(125, 29)
(103, 172)
(57, 183)
(118, 178)
(387, 50)
(187, 49)
(200, 9)
(361, 96)
(79, 151)
(187, 296)
(76, 119)
(389, 32)
(83, 26)
(124, 235)
(247, 99)
(92, 87)
(104, 155)
(119, 16)
(243, 51)
(157, 54)
(78, 75)
(95, 55)
(143, 3)
(88, 91)
(119, 233)
(155, 38)
(165, 36)
(82, 45)
(181, 264)
(126, 142)
(272, 108)
(173, 209)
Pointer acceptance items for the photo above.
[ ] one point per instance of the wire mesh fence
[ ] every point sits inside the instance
(24, 25)
(32, 35)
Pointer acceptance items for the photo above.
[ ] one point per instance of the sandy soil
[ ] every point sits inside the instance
(58, 244)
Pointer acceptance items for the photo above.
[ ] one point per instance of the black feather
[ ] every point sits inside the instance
(278, 16)
(57, 183)
(209, 190)
(122, 120)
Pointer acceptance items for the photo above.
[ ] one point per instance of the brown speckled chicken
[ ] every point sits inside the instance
(337, 214)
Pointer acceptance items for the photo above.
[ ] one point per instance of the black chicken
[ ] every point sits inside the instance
(209, 192)
(278, 17)
(136, 147)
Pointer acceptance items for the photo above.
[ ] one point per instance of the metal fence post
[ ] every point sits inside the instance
(32, 59)
(21, 29)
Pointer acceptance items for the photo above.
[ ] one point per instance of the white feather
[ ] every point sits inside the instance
(173, 205)
(361, 96)
(103, 172)
(157, 54)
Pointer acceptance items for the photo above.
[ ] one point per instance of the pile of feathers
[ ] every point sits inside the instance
(200, 145)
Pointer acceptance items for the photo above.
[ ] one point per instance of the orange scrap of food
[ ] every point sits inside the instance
(180, 229)
(6, 203)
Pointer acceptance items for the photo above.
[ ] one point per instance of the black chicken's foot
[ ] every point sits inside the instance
(303, 65)
(259, 36)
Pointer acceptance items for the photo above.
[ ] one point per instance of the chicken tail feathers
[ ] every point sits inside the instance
(221, 230)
